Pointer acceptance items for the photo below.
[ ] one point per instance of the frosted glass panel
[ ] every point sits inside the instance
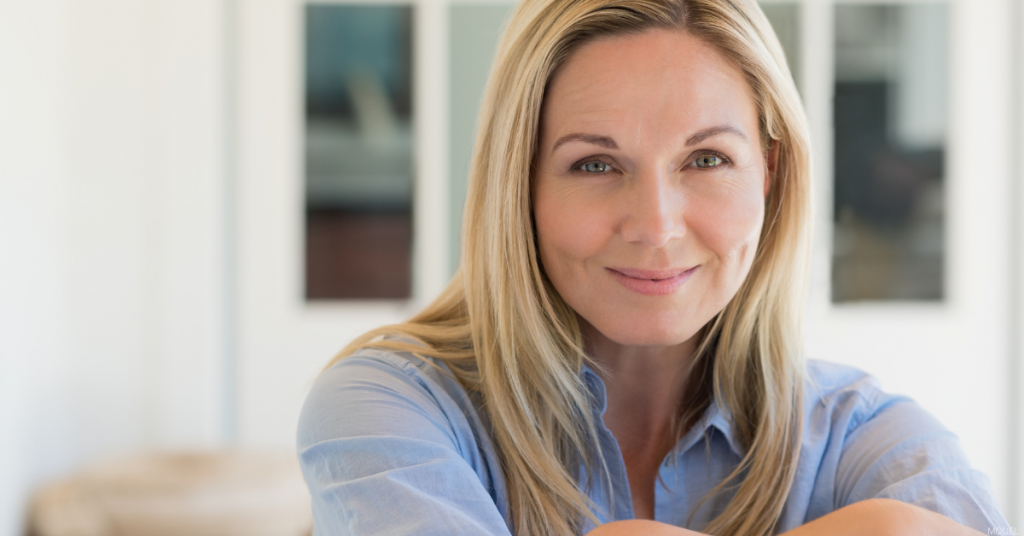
(785, 20)
(890, 117)
(358, 151)
(475, 30)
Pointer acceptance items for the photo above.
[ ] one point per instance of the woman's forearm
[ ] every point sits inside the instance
(874, 517)
(882, 517)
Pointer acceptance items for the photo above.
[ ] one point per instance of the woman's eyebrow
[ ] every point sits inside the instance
(603, 141)
(714, 131)
(608, 143)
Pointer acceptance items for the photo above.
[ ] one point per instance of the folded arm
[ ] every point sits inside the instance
(873, 517)
(883, 517)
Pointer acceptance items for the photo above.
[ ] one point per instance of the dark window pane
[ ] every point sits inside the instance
(358, 151)
(890, 145)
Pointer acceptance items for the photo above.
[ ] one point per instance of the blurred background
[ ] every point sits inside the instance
(201, 201)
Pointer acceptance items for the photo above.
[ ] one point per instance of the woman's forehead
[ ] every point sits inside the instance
(668, 80)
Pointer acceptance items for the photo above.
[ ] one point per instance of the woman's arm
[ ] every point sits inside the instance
(899, 451)
(873, 517)
(882, 517)
(387, 450)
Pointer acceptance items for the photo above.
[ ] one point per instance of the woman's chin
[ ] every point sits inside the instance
(641, 334)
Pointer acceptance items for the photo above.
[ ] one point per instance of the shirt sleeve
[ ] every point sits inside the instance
(381, 456)
(900, 451)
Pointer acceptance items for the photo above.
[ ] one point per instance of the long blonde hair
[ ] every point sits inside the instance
(511, 340)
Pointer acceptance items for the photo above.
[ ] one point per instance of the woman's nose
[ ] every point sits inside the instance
(653, 210)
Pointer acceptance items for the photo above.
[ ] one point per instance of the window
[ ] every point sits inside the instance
(358, 151)
(890, 145)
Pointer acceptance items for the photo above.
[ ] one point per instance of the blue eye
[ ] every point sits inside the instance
(595, 166)
(707, 161)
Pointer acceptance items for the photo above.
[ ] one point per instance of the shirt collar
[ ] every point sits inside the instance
(713, 417)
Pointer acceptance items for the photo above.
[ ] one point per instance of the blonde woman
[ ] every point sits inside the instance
(618, 353)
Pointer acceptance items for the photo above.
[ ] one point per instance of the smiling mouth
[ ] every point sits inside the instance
(652, 282)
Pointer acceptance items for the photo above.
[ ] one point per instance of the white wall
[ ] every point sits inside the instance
(1016, 515)
(111, 234)
(34, 321)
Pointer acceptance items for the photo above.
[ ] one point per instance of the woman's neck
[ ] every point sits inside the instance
(644, 384)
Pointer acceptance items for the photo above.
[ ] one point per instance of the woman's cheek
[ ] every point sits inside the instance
(566, 229)
(728, 219)
(579, 229)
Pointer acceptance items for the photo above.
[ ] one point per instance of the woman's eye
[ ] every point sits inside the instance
(595, 166)
(707, 161)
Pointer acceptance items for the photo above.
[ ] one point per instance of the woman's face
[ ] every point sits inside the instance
(649, 186)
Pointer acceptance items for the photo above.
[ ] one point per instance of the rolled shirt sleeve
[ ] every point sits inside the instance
(895, 449)
(390, 448)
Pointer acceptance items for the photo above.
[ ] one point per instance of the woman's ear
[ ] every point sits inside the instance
(771, 160)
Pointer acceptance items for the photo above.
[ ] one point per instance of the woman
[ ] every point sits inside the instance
(621, 341)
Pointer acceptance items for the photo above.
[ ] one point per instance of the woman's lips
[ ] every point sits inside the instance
(651, 282)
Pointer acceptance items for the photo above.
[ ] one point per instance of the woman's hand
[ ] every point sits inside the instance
(882, 517)
(873, 517)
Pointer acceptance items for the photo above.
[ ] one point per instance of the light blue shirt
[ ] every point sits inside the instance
(391, 445)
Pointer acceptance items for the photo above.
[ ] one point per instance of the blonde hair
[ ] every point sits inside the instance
(511, 340)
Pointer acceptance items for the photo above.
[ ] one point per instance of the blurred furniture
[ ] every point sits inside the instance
(196, 494)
